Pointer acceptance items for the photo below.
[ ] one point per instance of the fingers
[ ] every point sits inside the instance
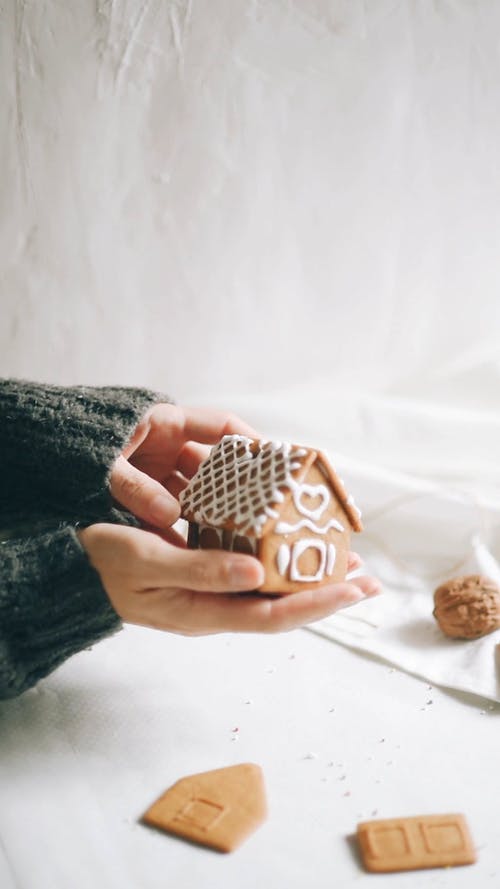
(354, 561)
(182, 424)
(143, 496)
(170, 535)
(304, 608)
(152, 582)
(172, 439)
(212, 614)
(175, 484)
(190, 457)
(206, 571)
(140, 433)
(208, 426)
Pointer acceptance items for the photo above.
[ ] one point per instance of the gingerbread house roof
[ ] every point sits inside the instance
(244, 482)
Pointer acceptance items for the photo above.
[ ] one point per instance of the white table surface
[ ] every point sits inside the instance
(340, 737)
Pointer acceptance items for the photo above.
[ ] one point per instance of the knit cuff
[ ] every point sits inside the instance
(52, 605)
(59, 443)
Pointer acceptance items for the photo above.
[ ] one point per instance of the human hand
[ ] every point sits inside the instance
(157, 583)
(164, 452)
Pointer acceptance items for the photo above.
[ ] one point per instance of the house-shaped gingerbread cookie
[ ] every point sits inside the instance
(280, 502)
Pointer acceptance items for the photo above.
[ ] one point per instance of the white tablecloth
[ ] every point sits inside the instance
(339, 737)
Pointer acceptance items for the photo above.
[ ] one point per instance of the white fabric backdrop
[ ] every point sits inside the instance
(248, 192)
(289, 209)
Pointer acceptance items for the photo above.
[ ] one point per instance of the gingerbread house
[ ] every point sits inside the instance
(280, 502)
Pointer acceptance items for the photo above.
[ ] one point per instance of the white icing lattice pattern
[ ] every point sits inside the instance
(240, 482)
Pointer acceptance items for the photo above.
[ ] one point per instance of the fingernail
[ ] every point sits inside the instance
(164, 510)
(357, 595)
(246, 574)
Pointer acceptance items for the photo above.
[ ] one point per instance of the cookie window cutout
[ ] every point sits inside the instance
(219, 809)
(414, 843)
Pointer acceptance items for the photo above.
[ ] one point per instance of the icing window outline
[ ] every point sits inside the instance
(300, 547)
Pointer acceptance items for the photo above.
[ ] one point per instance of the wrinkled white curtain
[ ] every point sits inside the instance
(207, 197)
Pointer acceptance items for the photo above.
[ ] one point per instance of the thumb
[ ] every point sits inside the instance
(142, 496)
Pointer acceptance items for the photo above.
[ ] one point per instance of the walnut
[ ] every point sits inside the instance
(467, 607)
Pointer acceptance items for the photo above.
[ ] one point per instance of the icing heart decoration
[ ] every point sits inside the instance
(311, 500)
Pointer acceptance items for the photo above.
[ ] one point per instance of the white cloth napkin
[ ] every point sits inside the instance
(416, 536)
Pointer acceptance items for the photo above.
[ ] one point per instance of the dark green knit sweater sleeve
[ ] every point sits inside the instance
(52, 604)
(57, 445)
